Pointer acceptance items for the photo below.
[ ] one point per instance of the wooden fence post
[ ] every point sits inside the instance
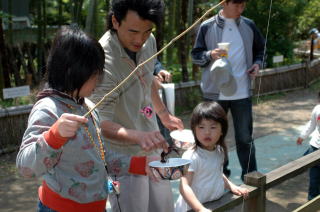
(257, 203)
(307, 73)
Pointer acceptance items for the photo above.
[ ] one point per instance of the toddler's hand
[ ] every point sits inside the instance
(299, 141)
(240, 191)
(68, 124)
(203, 209)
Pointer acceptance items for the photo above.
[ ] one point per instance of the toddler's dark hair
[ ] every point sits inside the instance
(210, 111)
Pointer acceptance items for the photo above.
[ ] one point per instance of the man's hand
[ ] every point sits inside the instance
(170, 122)
(218, 53)
(164, 76)
(299, 141)
(68, 124)
(253, 71)
(149, 141)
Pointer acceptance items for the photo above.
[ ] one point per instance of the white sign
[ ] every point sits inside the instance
(16, 92)
(277, 59)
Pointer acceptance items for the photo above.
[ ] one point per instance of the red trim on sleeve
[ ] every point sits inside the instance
(53, 138)
(56, 202)
(138, 165)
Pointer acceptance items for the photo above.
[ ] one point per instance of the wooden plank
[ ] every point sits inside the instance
(292, 169)
(312, 205)
(229, 200)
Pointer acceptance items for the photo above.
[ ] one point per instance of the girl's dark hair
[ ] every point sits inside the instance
(74, 57)
(210, 111)
(147, 9)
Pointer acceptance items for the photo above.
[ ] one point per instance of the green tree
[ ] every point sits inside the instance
(283, 22)
(91, 17)
(310, 18)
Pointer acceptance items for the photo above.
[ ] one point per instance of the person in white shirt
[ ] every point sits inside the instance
(312, 128)
(204, 180)
(245, 55)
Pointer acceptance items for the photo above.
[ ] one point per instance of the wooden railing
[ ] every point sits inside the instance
(275, 80)
(312, 205)
(258, 184)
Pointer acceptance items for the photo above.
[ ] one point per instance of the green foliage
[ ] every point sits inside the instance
(315, 87)
(265, 98)
(175, 70)
(283, 23)
(25, 100)
(310, 18)
(54, 19)
(194, 97)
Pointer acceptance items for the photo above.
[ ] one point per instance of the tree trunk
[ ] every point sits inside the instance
(171, 29)
(182, 51)
(14, 66)
(197, 12)
(60, 13)
(44, 14)
(31, 68)
(20, 57)
(159, 37)
(2, 86)
(107, 6)
(3, 59)
(76, 6)
(10, 33)
(190, 21)
(91, 18)
(40, 44)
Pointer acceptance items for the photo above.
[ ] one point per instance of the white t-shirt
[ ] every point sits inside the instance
(237, 58)
(207, 183)
(313, 128)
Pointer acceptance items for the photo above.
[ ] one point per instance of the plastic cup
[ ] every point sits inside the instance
(224, 46)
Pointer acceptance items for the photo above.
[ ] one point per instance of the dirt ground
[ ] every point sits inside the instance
(290, 110)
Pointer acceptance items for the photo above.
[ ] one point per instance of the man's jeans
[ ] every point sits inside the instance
(314, 177)
(241, 111)
(43, 208)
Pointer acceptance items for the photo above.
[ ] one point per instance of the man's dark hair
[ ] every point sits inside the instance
(147, 9)
(74, 57)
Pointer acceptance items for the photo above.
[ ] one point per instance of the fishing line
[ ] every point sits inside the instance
(259, 84)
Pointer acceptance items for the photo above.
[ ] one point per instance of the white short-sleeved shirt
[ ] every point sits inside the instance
(313, 128)
(237, 58)
(207, 183)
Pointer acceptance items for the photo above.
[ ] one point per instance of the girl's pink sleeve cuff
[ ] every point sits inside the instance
(53, 138)
(138, 165)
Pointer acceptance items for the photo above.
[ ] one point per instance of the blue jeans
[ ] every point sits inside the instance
(241, 111)
(314, 177)
(42, 208)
